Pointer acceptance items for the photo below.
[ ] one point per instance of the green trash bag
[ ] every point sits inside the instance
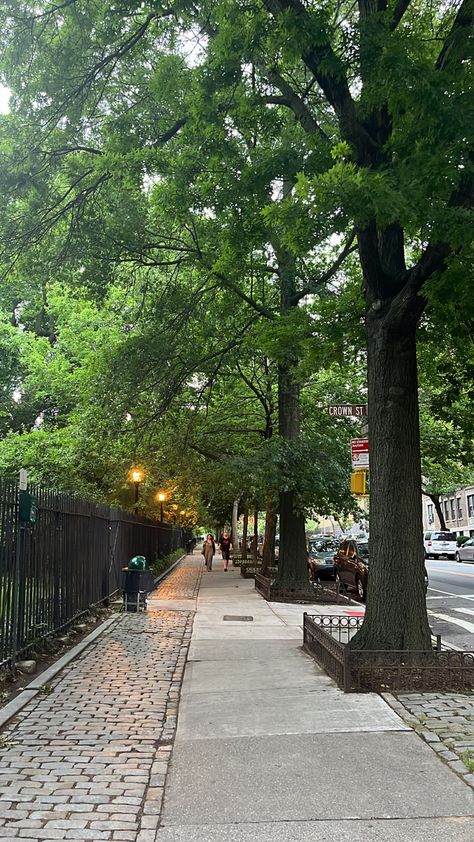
(138, 562)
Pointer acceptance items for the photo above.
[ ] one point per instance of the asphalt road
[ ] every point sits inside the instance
(450, 602)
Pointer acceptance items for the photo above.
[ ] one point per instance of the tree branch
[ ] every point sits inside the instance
(259, 308)
(398, 13)
(66, 150)
(171, 132)
(291, 100)
(323, 279)
(459, 34)
(328, 69)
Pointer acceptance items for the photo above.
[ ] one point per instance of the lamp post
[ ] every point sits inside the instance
(136, 475)
(161, 497)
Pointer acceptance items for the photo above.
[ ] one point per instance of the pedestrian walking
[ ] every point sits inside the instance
(209, 551)
(225, 547)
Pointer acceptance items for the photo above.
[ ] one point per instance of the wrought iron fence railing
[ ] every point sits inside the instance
(68, 560)
(326, 638)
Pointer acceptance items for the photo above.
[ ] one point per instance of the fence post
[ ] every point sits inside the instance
(114, 529)
(305, 614)
(16, 581)
(347, 669)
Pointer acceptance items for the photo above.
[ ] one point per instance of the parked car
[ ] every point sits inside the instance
(466, 551)
(437, 544)
(352, 567)
(321, 552)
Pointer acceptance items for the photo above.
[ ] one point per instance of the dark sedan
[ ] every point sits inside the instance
(321, 554)
(352, 567)
(351, 564)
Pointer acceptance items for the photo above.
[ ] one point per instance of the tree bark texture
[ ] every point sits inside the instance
(293, 558)
(235, 521)
(396, 556)
(245, 527)
(269, 538)
(255, 535)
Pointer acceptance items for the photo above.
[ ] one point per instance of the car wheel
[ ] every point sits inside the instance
(458, 558)
(339, 583)
(360, 588)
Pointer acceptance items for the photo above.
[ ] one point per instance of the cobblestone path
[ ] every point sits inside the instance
(87, 760)
(446, 722)
(184, 581)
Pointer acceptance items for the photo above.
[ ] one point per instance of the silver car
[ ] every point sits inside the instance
(466, 551)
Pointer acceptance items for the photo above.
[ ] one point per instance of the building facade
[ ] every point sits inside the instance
(458, 510)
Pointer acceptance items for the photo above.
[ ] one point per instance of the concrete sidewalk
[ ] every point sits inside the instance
(267, 747)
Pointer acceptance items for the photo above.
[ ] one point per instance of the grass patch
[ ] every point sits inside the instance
(467, 758)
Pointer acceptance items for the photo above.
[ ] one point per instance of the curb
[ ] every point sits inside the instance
(33, 688)
(429, 737)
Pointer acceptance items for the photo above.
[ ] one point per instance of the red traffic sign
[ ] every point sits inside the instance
(348, 410)
(360, 453)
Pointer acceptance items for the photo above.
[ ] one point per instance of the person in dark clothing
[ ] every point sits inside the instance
(225, 547)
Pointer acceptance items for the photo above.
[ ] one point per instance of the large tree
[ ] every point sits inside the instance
(345, 119)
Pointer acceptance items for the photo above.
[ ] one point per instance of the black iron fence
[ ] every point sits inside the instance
(65, 561)
(326, 638)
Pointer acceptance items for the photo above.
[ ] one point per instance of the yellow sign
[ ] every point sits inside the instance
(359, 482)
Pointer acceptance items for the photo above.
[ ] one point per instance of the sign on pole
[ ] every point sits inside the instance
(350, 410)
(360, 454)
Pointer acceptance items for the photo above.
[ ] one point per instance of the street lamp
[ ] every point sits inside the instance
(136, 475)
(161, 497)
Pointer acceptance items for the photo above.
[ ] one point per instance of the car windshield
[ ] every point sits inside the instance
(444, 536)
(322, 546)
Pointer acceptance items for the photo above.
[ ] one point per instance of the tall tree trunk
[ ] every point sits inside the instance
(255, 535)
(245, 527)
(235, 520)
(396, 615)
(269, 539)
(293, 559)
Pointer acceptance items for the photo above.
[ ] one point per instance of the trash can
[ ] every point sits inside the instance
(137, 582)
(138, 562)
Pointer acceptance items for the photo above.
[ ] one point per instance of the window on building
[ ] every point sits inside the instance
(430, 509)
(451, 506)
(458, 499)
(446, 510)
(470, 504)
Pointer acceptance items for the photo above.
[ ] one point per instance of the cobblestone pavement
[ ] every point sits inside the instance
(87, 760)
(446, 722)
(184, 581)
